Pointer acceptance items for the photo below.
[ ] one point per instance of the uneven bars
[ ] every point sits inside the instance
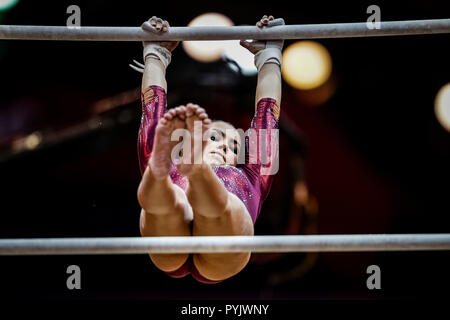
(303, 243)
(306, 31)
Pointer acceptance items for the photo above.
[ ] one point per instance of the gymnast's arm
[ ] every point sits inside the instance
(269, 86)
(157, 56)
(267, 102)
(268, 96)
(154, 74)
(268, 63)
(154, 106)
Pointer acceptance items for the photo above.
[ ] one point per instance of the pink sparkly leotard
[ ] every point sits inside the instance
(250, 182)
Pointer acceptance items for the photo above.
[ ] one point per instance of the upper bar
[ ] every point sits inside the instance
(311, 243)
(305, 31)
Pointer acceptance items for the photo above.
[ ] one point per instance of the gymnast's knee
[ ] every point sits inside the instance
(220, 266)
(169, 262)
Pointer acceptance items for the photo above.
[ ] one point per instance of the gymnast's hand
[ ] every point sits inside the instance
(266, 51)
(256, 46)
(158, 25)
(161, 50)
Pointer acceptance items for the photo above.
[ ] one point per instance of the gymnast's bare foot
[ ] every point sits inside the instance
(196, 118)
(160, 160)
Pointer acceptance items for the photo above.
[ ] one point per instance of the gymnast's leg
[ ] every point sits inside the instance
(165, 208)
(217, 212)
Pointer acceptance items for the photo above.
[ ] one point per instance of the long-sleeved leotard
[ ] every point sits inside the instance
(250, 181)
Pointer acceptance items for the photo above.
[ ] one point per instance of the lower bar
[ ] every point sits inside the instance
(305, 31)
(310, 243)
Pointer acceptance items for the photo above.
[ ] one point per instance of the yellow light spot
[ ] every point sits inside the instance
(442, 106)
(207, 51)
(306, 65)
(33, 140)
(29, 142)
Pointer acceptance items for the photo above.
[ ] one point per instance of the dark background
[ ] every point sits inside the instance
(374, 157)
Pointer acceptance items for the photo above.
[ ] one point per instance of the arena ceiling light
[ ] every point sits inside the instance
(442, 106)
(207, 51)
(306, 65)
(244, 58)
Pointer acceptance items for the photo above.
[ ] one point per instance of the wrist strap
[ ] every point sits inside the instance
(268, 55)
(163, 54)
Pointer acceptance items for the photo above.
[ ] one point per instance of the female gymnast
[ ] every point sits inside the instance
(219, 196)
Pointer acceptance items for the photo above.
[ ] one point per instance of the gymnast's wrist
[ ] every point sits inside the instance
(155, 63)
(154, 51)
(268, 55)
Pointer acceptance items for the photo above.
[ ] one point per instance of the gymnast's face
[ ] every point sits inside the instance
(223, 144)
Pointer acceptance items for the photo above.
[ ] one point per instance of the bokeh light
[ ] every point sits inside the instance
(317, 96)
(243, 57)
(306, 65)
(29, 142)
(207, 51)
(7, 4)
(442, 106)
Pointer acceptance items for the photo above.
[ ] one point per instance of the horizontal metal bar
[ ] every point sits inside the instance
(306, 31)
(310, 243)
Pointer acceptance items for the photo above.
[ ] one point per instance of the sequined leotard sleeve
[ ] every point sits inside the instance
(251, 181)
(154, 105)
